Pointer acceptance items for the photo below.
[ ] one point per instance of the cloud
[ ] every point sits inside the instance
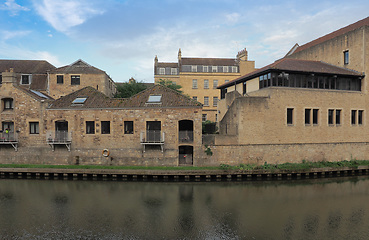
(6, 35)
(65, 14)
(12, 7)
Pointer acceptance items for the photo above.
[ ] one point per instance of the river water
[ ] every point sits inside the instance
(336, 208)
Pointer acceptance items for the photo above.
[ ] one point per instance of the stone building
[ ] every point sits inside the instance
(200, 77)
(158, 126)
(78, 75)
(310, 105)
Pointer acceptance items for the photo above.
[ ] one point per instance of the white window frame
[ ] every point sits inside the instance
(194, 83)
(206, 101)
(215, 101)
(173, 71)
(214, 68)
(161, 71)
(206, 83)
(205, 69)
(29, 79)
(234, 69)
(194, 68)
(225, 69)
(215, 83)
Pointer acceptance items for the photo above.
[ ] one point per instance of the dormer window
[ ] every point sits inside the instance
(154, 99)
(8, 103)
(79, 100)
(26, 79)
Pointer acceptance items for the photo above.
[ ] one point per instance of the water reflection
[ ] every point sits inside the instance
(304, 209)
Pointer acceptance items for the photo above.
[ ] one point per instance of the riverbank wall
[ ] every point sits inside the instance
(178, 175)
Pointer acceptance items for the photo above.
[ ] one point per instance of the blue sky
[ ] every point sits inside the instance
(123, 37)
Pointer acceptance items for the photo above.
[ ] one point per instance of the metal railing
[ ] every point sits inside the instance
(59, 137)
(152, 136)
(8, 137)
(185, 136)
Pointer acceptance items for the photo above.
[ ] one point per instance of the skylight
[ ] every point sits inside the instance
(154, 99)
(39, 94)
(79, 100)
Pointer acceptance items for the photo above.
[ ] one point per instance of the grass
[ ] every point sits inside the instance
(304, 165)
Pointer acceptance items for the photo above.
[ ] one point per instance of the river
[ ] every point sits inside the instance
(336, 208)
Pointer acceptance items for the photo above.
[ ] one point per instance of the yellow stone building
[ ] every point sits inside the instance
(200, 77)
(311, 105)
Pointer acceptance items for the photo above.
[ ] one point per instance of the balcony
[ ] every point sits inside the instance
(59, 138)
(10, 138)
(153, 137)
(185, 136)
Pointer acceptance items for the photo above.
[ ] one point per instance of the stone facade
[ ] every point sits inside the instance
(70, 78)
(311, 105)
(200, 81)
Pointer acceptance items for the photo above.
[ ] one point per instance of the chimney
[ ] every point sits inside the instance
(9, 76)
(242, 55)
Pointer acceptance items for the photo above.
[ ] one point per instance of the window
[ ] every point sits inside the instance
(357, 117)
(206, 101)
(194, 98)
(330, 116)
(75, 80)
(311, 116)
(226, 81)
(214, 68)
(205, 69)
(105, 127)
(161, 71)
(338, 117)
(34, 128)
(225, 69)
(194, 84)
(307, 116)
(79, 100)
(204, 117)
(315, 116)
(353, 117)
(8, 103)
(206, 84)
(346, 57)
(289, 116)
(234, 69)
(90, 127)
(1, 79)
(26, 79)
(215, 101)
(128, 127)
(334, 116)
(154, 99)
(215, 84)
(360, 117)
(173, 71)
(194, 69)
(59, 79)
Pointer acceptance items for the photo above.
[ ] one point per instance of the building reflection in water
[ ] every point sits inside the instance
(303, 209)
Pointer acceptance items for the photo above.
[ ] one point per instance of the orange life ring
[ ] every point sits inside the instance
(105, 153)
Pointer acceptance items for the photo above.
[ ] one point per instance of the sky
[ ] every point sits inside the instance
(122, 37)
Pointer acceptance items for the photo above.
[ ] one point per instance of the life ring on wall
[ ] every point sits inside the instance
(105, 153)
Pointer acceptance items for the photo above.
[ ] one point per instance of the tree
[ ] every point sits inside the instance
(128, 89)
(170, 84)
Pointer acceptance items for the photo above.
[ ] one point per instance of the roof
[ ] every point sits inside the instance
(78, 67)
(167, 64)
(209, 61)
(26, 66)
(344, 30)
(97, 100)
(295, 65)
(35, 94)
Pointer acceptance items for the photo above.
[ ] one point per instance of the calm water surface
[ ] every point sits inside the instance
(303, 209)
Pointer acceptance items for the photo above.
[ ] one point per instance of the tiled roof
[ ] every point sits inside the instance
(96, 99)
(344, 30)
(210, 61)
(35, 94)
(78, 67)
(295, 65)
(39, 82)
(167, 64)
(26, 66)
